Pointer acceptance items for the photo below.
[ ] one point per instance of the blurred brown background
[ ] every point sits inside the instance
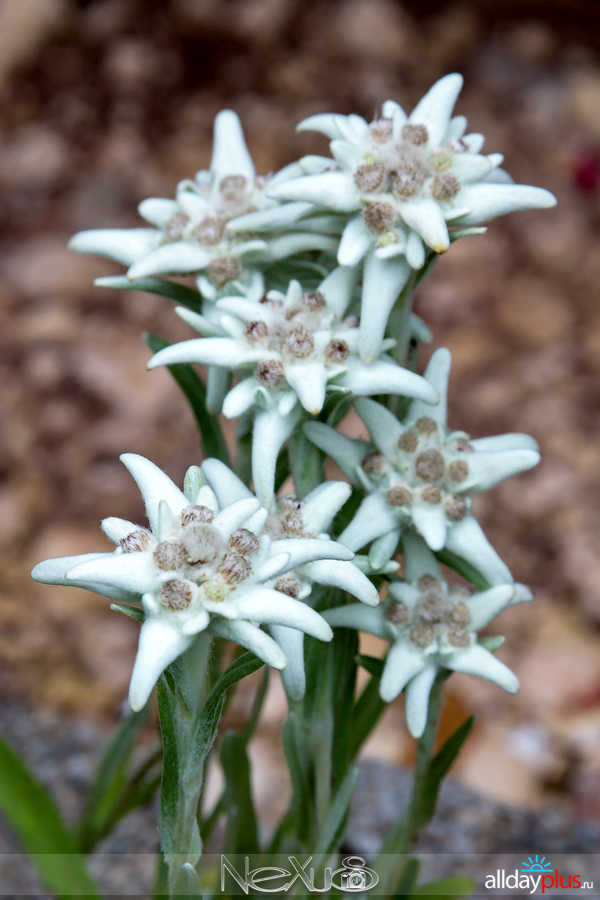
(106, 102)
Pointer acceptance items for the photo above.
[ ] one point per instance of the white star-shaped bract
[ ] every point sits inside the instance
(294, 519)
(190, 234)
(200, 564)
(431, 625)
(401, 182)
(294, 349)
(417, 474)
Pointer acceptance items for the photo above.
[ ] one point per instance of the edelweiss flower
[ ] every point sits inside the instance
(418, 474)
(291, 519)
(199, 564)
(295, 347)
(190, 233)
(403, 181)
(431, 625)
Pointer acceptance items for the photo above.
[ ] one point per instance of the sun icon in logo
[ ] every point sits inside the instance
(536, 865)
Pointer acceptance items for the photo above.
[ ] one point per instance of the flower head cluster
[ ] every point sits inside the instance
(293, 520)
(200, 564)
(419, 475)
(403, 182)
(191, 234)
(431, 625)
(293, 349)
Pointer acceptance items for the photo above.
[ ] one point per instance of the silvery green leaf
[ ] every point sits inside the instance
(383, 549)
(418, 558)
(430, 522)
(437, 374)
(322, 504)
(359, 616)
(415, 251)
(269, 434)
(192, 483)
(384, 427)
(206, 326)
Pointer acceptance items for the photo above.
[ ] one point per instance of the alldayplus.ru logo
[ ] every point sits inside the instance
(536, 874)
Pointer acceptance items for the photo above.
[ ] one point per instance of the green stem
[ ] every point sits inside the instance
(181, 700)
(400, 838)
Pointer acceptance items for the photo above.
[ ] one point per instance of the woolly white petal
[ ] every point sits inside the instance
(337, 288)
(487, 469)
(179, 257)
(505, 442)
(125, 245)
(430, 521)
(325, 123)
(347, 453)
(322, 504)
(272, 219)
(333, 190)
(240, 398)
(417, 700)
(434, 110)
(229, 154)
(303, 550)
(291, 642)
(486, 605)
(418, 558)
(54, 571)
(154, 486)
(116, 529)
(157, 211)
(488, 201)
(252, 638)
(476, 660)
(523, 594)
(309, 380)
(415, 251)
(383, 281)
(207, 327)
(218, 382)
(272, 567)
(387, 378)
(456, 128)
(383, 549)
(372, 519)
(356, 240)
(402, 664)
(226, 485)
(469, 167)
(134, 572)
(437, 374)
(223, 352)
(427, 218)
(359, 616)
(300, 242)
(474, 141)
(383, 425)
(160, 643)
(392, 110)
(233, 516)
(467, 540)
(270, 433)
(346, 576)
(274, 608)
